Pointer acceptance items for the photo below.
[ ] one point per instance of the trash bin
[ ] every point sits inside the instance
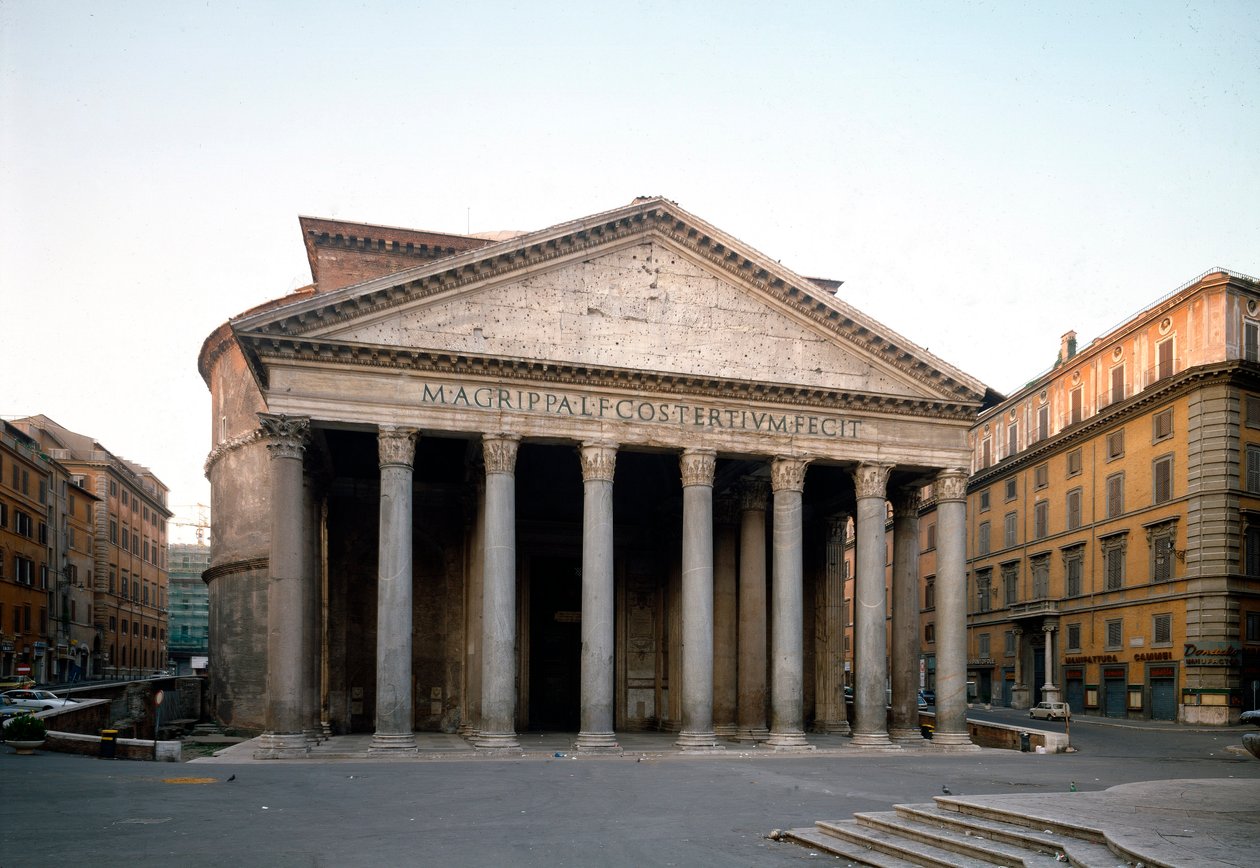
(109, 743)
(925, 730)
(1025, 742)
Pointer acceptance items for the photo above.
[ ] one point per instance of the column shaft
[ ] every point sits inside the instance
(498, 679)
(725, 628)
(787, 673)
(832, 716)
(395, 709)
(905, 617)
(288, 639)
(1049, 692)
(598, 639)
(870, 725)
(697, 602)
(950, 489)
(751, 671)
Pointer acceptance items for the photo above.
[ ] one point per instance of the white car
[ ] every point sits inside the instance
(1050, 711)
(36, 700)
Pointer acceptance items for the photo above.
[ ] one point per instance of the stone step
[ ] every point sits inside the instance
(858, 854)
(962, 806)
(974, 847)
(1081, 852)
(894, 844)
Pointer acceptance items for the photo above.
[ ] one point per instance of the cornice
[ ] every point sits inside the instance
(652, 218)
(1193, 378)
(318, 350)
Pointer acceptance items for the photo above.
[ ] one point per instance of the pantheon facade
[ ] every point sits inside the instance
(595, 478)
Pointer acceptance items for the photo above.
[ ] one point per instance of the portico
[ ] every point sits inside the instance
(585, 479)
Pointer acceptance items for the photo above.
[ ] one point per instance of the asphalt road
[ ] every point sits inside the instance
(62, 810)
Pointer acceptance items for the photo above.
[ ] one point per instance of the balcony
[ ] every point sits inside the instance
(1034, 608)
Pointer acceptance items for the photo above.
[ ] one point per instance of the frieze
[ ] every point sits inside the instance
(396, 446)
(599, 461)
(286, 436)
(499, 452)
(788, 474)
(697, 466)
(871, 480)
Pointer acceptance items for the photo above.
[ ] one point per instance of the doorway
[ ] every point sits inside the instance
(555, 643)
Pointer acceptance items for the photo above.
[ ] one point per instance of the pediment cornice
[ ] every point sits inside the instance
(300, 350)
(652, 218)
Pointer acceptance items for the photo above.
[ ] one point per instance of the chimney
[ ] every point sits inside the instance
(1067, 349)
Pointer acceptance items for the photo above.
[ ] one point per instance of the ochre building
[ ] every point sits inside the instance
(590, 478)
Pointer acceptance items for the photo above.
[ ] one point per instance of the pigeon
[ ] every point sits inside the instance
(945, 790)
(232, 778)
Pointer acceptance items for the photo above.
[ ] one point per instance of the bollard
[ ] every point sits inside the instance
(1025, 742)
(109, 743)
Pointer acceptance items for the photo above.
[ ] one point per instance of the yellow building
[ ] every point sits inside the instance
(1114, 519)
(25, 555)
(129, 562)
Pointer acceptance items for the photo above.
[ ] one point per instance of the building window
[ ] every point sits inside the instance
(1113, 562)
(1252, 543)
(983, 642)
(929, 593)
(4, 515)
(1010, 583)
(1011, 489)
(1253, 469)
(1115, 445)
(1162, 425)
(1115, 495)
(1161, 632)
(1073, 638)
(1041, 519)
(22, 523)
(1010, 529)
(1251, 340)
(1253, 627)
(1041, 476)
(1008, 642)
(1117, 384)
(1162, 483)
(984, 590)
(1074, 509)
(986, 452)
(1253, 411)
(1166, 362)
(1012, 438)
(929, 634)
(1074, 462)
(1043, 421)
(984, 500)
(1115, 634)
(931, 537)
(982, 539)
(1040, 566)
(1076, 405)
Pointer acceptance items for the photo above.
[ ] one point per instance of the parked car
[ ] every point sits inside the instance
(929, 696)
(38, 700)
(1050, 711)
(16, 682)
(923, 703)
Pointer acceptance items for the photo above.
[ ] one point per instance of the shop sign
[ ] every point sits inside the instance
(980, 661)
(1090, 658)
(1153, 655)
(1211, 654)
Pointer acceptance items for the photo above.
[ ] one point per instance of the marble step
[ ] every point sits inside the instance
(975, 848)
(1003, 815)
(857, 854)
(1080, 851)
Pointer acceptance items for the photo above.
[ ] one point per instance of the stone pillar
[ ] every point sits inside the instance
(596, 735)
(311, 593)
(831, 715)
(1049, 692)
(905, 617)
(697, 733)
(787, 658)
(473, 608)
(950, 490)
(725, 621)
(395, 709)
(498, 643)
(1019, 693)
(751, 671)
(289, 638)
(870, 725)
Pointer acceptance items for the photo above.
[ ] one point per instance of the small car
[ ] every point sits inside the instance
(1050, 711)
(929, 696)
(39, 700)
(923, 703)
(16, 682)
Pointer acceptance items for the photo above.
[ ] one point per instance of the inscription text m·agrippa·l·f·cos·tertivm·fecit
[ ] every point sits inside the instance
(679, 413)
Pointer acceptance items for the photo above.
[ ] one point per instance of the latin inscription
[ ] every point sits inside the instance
(682, 415)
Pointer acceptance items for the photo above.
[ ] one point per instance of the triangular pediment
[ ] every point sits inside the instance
(647, 288)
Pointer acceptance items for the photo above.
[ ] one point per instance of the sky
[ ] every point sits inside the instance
(983, 176)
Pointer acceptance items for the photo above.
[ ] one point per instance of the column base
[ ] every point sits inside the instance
(839, 727)
(597, 742)
(1049, 693)
(755, 734)
(792, 741)
(953, 741)
(698, 742)
(282, 745)
(726, 730)
(877, 740)
(906, 735)
(392, 743)
(497, 741)
(313, 736)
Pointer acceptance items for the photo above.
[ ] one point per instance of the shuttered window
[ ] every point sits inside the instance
(1163, 481)
(1115, 495)
(1253, 469)
(1074, 509)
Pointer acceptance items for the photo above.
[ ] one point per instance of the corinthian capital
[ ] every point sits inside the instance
(905, 501)
(499, 452)
(286, 436)
(753, 494)
(396, 446)
(599, 460)
(950, 485)
(871, 480)
(697, 466)
(788, 474)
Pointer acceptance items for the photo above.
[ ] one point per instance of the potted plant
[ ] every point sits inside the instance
(24, 733)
